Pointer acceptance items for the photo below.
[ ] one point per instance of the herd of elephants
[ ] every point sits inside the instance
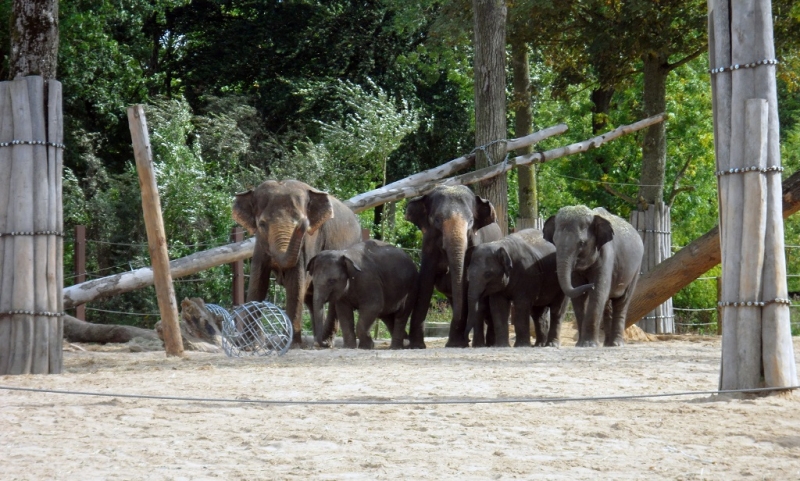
(312, 243)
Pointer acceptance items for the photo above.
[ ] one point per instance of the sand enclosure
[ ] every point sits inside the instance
(58, 436)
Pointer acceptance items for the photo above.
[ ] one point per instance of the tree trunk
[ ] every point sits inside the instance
(528, 202)
(490, 99)
(654, 146)
(34, 38)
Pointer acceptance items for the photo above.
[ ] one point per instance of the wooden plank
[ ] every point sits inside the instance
(21, 220)
(156, 237)
(754, 223)
(55, 134)
(6, 243)
(41, 204)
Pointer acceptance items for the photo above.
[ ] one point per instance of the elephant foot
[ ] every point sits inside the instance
(616, 341)
(457, 343)
(478, 343)
(322, 344)
(366, 343)
(540, 344)
(586, 343)
(522, 343)
(417, 344)
(395, 346)
(553, 343)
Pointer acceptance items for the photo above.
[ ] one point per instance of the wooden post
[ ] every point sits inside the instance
(719, 308)
(756, 338)
(80, 265)
(156, 238)
(364, 235)
(237, 234)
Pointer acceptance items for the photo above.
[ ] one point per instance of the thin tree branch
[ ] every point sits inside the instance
(672, 66)
(619, 194)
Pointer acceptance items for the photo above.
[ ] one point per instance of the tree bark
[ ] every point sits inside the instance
(34, 38)
(654, 146)
(76, 330)
(490, 99)
(526, 175)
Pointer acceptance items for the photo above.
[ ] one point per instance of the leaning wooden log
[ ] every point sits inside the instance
(76, 330)
(501, 168)
(117, 284)
(156, 236)
(693, 261)
(372, 198)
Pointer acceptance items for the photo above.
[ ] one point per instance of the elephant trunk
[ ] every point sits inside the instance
(564, 268)
(317, 314)
(455, 243)
(285, 241)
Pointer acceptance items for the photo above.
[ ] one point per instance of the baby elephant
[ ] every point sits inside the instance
(521, 268)
(373, 277)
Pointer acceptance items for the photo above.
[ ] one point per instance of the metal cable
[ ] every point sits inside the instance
(403, 402)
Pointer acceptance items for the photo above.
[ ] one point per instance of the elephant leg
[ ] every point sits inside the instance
(295, 284)
(537, 313)
(491, 338)
(422, 295)
(557, 309)
(476, 326)
(398, 331)
(347, 322)
(499, 307)
(329, 327)
(522, 323)
(593, 315)
(615, 336)
(366, 318)
(579, 306)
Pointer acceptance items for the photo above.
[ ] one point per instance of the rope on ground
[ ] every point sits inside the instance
(383, 402)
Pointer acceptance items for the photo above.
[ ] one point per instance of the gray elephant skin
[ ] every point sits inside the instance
(292, 222)
(376, 279)
(520, 268)
(452, 219)
(598, 260)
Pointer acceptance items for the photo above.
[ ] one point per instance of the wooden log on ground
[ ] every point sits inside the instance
(156, 237)
(372, 198)
(693, 261)
(76, 330)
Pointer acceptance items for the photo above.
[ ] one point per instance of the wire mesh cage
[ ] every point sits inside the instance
(256, 329)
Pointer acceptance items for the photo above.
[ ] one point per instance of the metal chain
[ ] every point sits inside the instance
(737, 66)
(33, 142)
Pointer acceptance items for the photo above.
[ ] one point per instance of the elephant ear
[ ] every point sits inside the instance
(310, 265)
(350, 266)
(484, 213)
(417, 213)
(244, 210)
(505, 260)
(319, 210)
(549, 228)
(602, 231)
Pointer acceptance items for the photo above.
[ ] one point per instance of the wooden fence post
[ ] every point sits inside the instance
(237, 235)
(80, 265)
(156, 238)
(719, 307)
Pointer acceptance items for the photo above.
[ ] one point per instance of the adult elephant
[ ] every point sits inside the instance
(452, 219)
(602, 254)
(292, 223)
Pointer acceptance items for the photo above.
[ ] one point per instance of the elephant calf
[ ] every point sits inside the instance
(602, 254)
(520, 268)
(373, 277)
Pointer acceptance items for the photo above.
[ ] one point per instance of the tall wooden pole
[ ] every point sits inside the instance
(156, 238)
(237, 234)
(756, 330)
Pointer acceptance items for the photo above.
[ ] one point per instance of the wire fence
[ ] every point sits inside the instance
(215, 285)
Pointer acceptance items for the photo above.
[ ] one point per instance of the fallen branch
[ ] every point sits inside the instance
(76, 330)
(370, 199)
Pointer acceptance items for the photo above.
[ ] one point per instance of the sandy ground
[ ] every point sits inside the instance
(59, 436)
